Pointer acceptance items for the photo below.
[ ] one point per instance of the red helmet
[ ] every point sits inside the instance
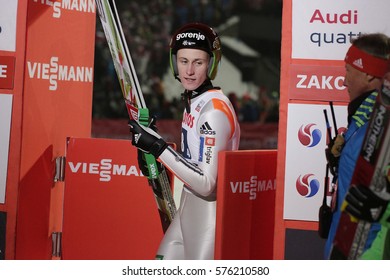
(196, 36)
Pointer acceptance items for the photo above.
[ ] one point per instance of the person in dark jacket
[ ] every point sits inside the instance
(363, 204)
(366, 63)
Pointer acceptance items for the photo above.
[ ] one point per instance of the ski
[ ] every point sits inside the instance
(370, 170)
(135, 103)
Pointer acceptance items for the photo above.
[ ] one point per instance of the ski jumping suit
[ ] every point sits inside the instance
(209, 127)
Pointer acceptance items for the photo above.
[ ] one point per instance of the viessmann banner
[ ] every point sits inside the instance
(57, 47)
(246, 199)
(58, 74)
(105, 190)
(63, 63)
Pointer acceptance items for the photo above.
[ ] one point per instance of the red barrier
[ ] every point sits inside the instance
(246, 205)
(46, 57)
(110, 213)
(109, 208)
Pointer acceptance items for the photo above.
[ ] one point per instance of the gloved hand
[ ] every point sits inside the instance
(141, 155)
(147, 140)
(333, 152)
(363, 204)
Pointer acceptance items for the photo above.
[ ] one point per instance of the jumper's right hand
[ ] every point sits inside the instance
(147, 140)
(142, 164)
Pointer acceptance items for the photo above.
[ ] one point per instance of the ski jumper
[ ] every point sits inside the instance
(209, 127)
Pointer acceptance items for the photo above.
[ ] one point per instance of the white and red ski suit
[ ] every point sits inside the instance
(209, 127)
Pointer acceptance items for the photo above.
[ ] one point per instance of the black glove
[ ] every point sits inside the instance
(363, 204)
(141, 155)
(145, 139)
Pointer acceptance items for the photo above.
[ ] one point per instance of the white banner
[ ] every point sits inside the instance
(8, 15)
(323, 29)
(5, 127)
(305, 158)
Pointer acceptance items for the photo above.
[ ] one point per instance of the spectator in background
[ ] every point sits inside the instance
(235, 103)
(249, 109)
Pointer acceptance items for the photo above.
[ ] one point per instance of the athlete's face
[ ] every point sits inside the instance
(356, 81)
(192, 67)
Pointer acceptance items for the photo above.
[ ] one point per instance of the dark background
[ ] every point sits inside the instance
(148, 26)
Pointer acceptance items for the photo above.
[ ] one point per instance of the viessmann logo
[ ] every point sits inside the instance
(252, 187)
(85, 6)
(55, 72)
(105, 169)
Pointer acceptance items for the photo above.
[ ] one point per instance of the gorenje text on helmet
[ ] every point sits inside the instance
(197, 36)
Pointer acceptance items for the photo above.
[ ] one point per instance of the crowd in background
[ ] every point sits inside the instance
(148, 26)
